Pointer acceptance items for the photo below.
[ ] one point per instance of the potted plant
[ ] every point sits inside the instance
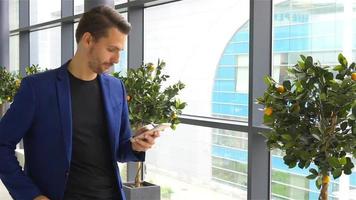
(149, 103)
(9, 84)
(312, 119)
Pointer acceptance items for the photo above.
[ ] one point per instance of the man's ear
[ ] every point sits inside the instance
(87, 39)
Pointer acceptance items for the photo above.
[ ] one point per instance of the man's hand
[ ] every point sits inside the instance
(41, 197)
(144, 139)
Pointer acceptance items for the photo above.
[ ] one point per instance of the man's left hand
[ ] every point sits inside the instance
(145, 140)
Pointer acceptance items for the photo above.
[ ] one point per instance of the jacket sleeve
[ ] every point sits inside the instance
(13, 126)
(126, 153)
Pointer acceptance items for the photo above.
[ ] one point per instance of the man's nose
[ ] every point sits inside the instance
(116, 58)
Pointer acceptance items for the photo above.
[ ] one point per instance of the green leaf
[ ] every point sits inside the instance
(343, 125)
(319, 182)
(322, 96)
(312, 176)
(299, 87)
(267, 119)
(334, 162)
(329, 76)
(301, 64)
(307, 164)
(343, 161)
(303, 57)
(316, 136)
(287, 84)
(313, 171)
(286, 137)
(292, 164)
(349, 163)
(347, 171)
(336, 173)
(309, 61)
(267, 80)
(301, 164)
(342, 60)
(339, 68)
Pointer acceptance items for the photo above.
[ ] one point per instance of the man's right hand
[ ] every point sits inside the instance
(41, 197)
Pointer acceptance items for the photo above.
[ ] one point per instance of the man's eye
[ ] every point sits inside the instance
(111, 50)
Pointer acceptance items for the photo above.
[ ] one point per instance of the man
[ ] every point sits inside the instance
(73, 121)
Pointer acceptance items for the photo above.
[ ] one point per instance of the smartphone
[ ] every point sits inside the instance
(151, 128)
(160, 127)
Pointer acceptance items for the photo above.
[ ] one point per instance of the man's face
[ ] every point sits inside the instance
(105, 52)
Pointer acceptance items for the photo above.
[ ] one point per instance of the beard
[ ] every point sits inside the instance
(96, 65)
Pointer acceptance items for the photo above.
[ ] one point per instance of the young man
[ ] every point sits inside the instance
(73, 121)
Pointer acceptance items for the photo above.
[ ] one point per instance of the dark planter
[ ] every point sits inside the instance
(148, 191)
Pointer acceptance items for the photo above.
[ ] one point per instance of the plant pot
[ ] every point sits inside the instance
(148, 191)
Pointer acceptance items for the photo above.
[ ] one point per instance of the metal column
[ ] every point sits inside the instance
(67, 31)
(135, 59)
(260, 65)
(4, 34)
(24, 21)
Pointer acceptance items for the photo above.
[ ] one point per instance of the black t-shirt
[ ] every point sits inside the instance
(91, 173)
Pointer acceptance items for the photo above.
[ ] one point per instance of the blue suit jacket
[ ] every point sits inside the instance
(41, 115)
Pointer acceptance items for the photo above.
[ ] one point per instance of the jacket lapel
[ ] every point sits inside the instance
(64, 101)
(105, 88)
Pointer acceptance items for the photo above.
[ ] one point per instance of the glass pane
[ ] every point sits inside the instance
(199, 163)
(122, 65)
(14, 14)
(44, 10)
(322, 29)
(78, 6)
(45, 48)
(75, 42)
(205, 45)
(120, 2)
(14, 54)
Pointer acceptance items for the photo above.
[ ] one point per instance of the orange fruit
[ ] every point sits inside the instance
(326, 179)
(8, 98)
(280, 89)
(128, 98)
(174, 116)
(353, 76)
(268, 111)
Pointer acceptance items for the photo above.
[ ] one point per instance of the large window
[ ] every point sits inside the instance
(45, 48)
(205, 44)
(78, 6)
(14, 54)
(120, 1)
(122, 65)
(199, 163)
(14, 14)
(198, 39)
(322, 29)
(44, 10)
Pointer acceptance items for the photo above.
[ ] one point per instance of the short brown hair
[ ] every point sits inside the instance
(98, 20)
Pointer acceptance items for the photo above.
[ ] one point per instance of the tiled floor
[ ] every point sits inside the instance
(4, 194)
